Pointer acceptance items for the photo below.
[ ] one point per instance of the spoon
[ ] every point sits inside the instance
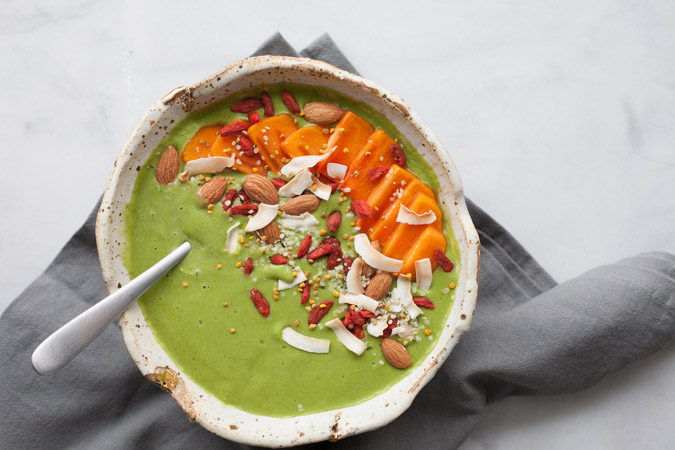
(68, 341)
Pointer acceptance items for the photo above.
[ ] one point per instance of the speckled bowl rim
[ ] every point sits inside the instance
(153, 362)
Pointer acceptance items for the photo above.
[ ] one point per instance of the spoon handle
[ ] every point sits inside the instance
(65, 343)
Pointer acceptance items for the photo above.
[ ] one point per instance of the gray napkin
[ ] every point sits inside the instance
(529, 336)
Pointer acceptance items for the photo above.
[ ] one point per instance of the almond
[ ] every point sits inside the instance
(213, 190)
(366, 270)
(323, 113)
(395, 353)
(167, 166)
(379, 286)
(260, 190)
(270, 233)
(301, 204)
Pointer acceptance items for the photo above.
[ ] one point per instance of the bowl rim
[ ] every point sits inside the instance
(150, 358)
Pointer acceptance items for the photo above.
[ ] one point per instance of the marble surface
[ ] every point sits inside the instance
(559, 117)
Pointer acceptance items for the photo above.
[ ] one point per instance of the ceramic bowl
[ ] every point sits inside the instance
(227, 421)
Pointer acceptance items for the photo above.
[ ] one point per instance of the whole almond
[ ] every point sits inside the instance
(379, 286)
(270, 233)
(323, 113)
(366, 270)
(301, 204)
(213, 190)
(395, 353)
(167, 166)
(260, 190)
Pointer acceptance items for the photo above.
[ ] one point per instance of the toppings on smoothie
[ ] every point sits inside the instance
(395, 353)
(361, 208)
(266, 214)
(374, 258)
(305, 221)
(336, 171)
(306, 203)
(212, 191)
(211, 164)
(398, 155)
(234, 127)
(229, 199)
(246, 105)
(298, 278)
(350, 341)
(167, 166)
(377, 172)
(334, 220)
(443, 260)
(304, 246)
(423, 302)
(359, 300)
(354, 284)
(306, 343)
(290, 102)
(232, 238)
(260, 302)
(408, 216)
(278, 260)
(379, 285)
(268, 106)
(243, 210)
(270, 233)
(248, 267)
(323, 113)
(319, 312)
(424, 273)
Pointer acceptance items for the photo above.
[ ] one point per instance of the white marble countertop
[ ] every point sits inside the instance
(559, 118)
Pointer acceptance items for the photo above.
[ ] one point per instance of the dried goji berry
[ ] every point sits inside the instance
(248, 266)
(331, 240)
(305, 294)
(367, 314)
(268, 106)
(318, 313)
(278, 183)
(234, 127)
(443, 260)
(304, 246)
(290, 102)
(246, 146)
(333, 221)
(246, 105)
(327, 181)
(347, 321)
(244, 198)
(260, 302)
(334, 258)
(358, 332)
(253, 117)
(357, 318)
(361, 208)
(278, 260)
(243, 210)
(347, 263)
(229, 199)
(423, 302)
(387, 331)
(321, 250)
(398, 154)
(377, 172)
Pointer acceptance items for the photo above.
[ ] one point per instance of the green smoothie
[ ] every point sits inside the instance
(201, 312)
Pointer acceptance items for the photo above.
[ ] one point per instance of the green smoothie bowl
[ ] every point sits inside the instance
(334, 265)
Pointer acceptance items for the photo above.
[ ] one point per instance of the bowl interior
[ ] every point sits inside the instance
(151, 359)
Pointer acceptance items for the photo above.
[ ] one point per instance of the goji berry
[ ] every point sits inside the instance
(243, 210)
(260, 302)
(358, 332)
(244, 198)
(268, 106)
(290, 102)
(254, 117)
(398, 154)
(305, 294)
(229, 199)
(248, 266)
(318, 313)
(423, 302)
(377, 172)
(347, 263)
(334, 258)
(443, 260)
(246, 146)
(387, 331)
(278, 183)
(304, 246)
(361, 208)
(246, 105)
(233, 127)
(333, 221)
(278, 260)
(321, 250)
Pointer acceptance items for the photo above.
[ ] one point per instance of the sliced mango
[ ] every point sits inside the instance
(200, 144)
(423, 247)
(350, 135)
(376, 152)
(268, 134)
(398, 242)
(227, 146)
(310, 140)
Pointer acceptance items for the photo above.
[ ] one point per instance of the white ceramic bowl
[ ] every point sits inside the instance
(226, 421)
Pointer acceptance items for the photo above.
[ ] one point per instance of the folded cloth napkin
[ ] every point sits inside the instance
(529, 336)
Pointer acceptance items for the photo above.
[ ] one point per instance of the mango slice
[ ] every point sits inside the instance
(402, 238)
(268, 134)
(200, 144)
(423, 247)
(310, 140)
(227, 146)
(350, 135)
(374, 153)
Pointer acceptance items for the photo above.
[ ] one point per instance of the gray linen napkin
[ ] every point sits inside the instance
(529, 336)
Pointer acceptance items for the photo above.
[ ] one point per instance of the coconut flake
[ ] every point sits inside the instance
(377, 326)
(361, 300)
(212, 164)
(266, 213)
(306, 343)
(408, 216)
(304, 162)
(354, 285)
(301, 181)
(283, 285)
(336, 171)
(405, 331)
(423, 273)
(322, 190)
(232, 235)
(304, 221)
(374, 258)
(403, 286)
(350, 341)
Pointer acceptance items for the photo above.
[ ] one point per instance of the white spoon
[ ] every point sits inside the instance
(65, 343)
